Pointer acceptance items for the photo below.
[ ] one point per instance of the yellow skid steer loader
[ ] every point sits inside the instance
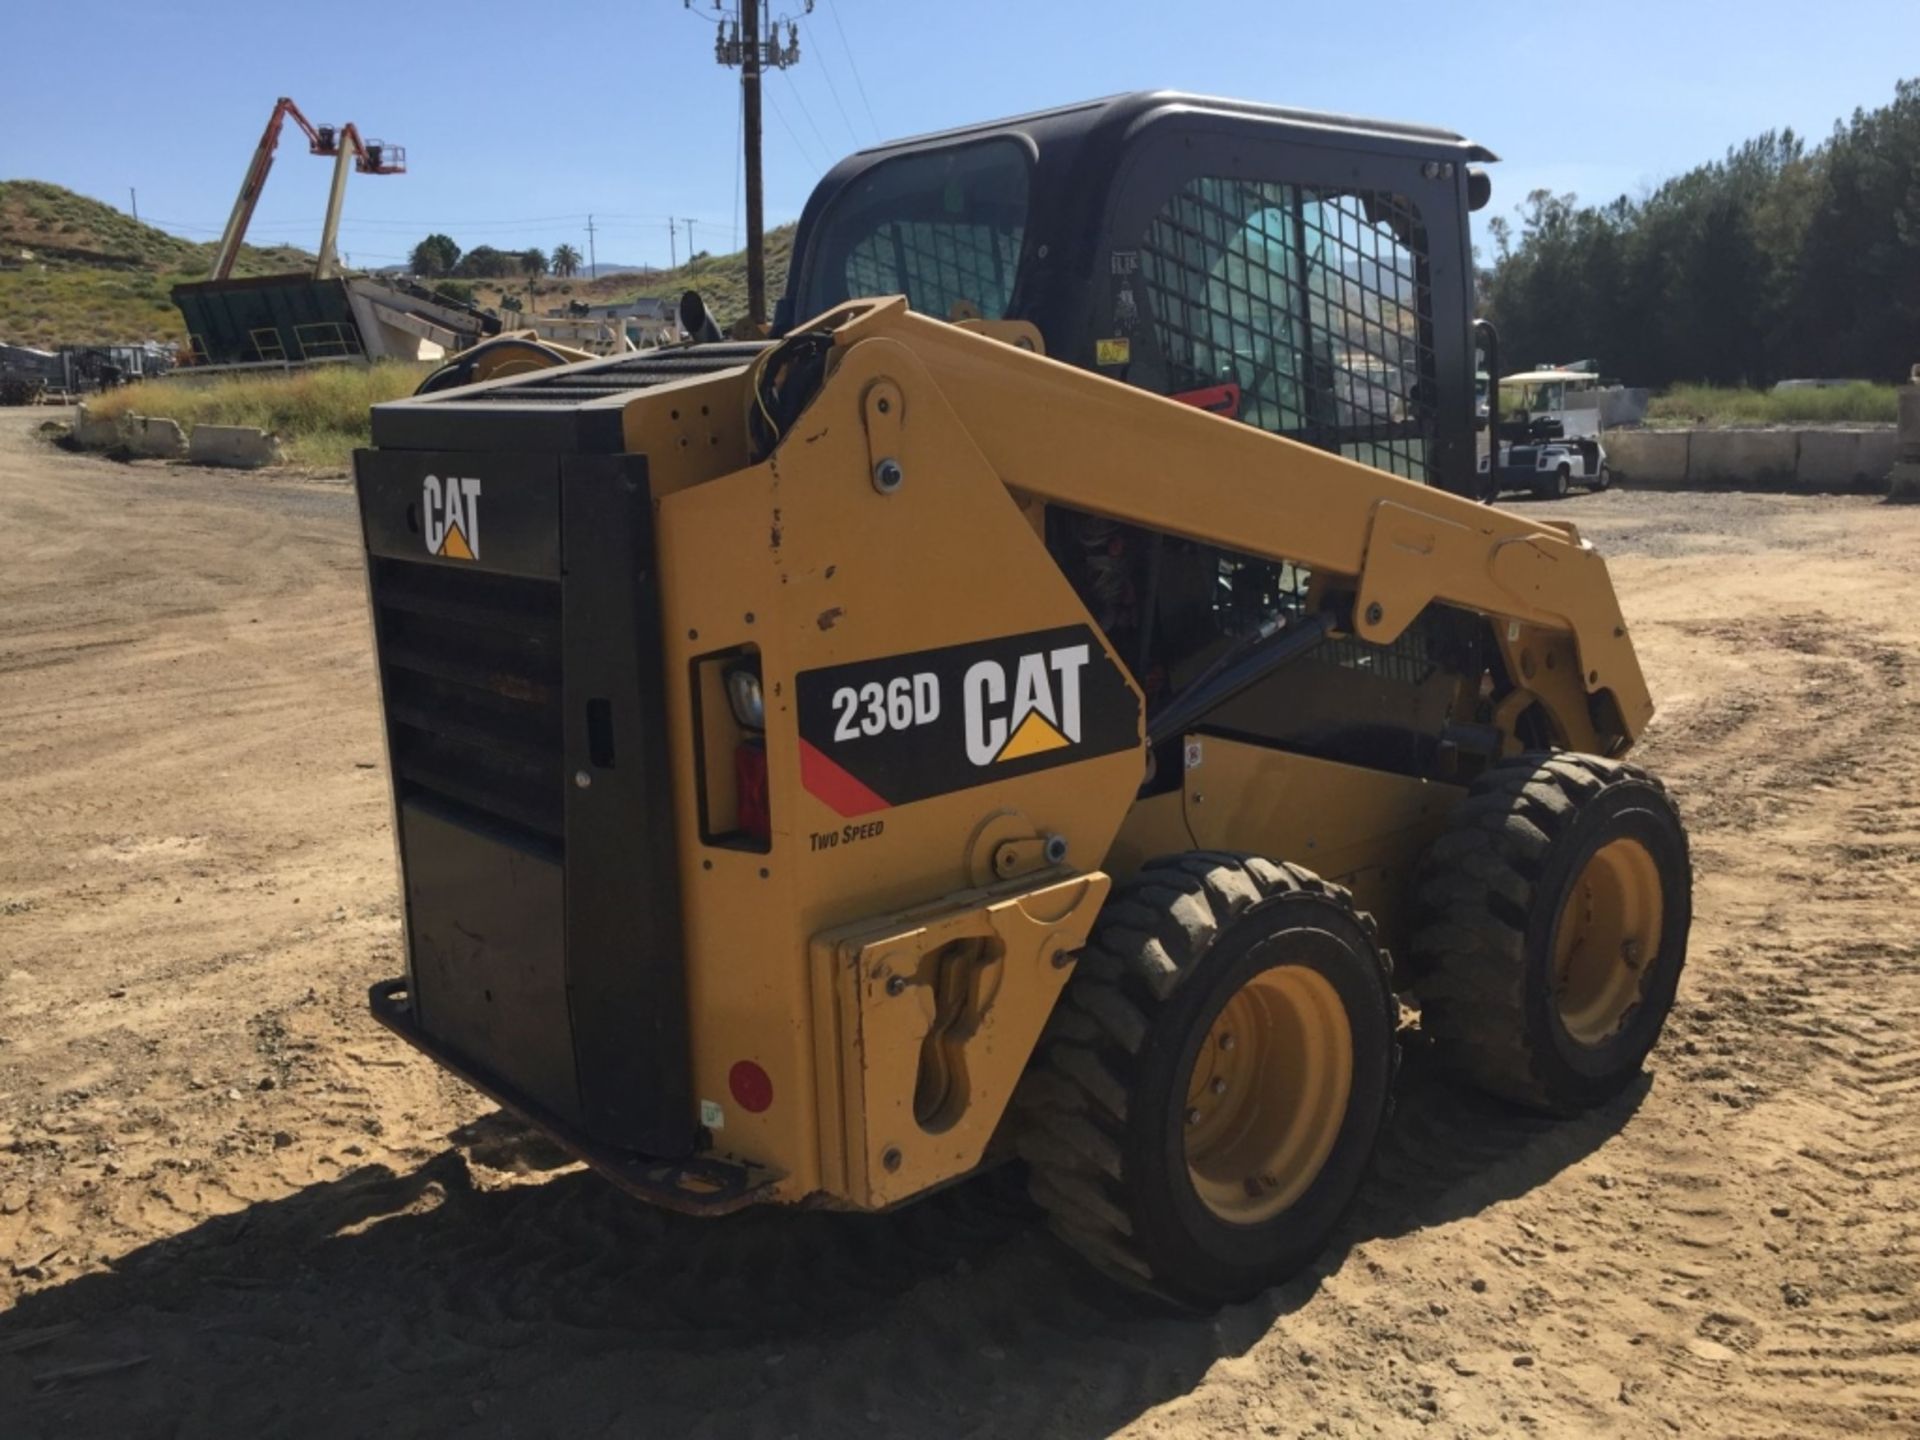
(1051, 699)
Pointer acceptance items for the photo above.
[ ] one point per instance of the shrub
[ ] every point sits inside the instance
(320, 415)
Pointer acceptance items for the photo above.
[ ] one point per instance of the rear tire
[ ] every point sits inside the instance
(1207, 1096)
(1550, 928)
(1603, 480)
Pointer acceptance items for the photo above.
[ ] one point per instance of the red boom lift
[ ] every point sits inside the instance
(370, 157)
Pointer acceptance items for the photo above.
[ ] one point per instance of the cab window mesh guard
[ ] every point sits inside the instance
(937, 265)
(1314, 301)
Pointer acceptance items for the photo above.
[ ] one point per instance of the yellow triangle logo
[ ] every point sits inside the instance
(454, 546)
(1034, 736)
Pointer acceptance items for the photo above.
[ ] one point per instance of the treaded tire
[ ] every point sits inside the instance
(1101, 1112)
(1488, 897)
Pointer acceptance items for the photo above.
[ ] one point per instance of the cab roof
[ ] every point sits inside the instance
(1134, 106)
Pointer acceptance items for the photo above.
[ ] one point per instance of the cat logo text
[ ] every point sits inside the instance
(1043, 714)
(450, 516)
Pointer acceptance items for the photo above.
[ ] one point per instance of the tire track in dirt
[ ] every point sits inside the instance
(226, 1175)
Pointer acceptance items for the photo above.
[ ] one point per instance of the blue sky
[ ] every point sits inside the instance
(520, 120)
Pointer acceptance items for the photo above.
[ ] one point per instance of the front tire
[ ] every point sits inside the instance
(1551, 927)
(1207, 1097)
(1556, 485)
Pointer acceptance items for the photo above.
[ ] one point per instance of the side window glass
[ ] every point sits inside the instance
(944, 227)
(1312, 302)
(938, 266)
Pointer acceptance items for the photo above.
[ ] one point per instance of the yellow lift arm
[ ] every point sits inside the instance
(1074, 438)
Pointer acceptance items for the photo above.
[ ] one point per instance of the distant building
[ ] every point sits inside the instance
(646, 308)
(646, 321)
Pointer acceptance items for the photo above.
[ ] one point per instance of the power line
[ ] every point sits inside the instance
(854, 65)
(798, 144)
(832, 89)
(807, 115)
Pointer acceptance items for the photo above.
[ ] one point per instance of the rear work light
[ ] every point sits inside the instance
(743, 694)
(752, 810)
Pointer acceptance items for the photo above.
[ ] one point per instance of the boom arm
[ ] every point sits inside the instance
(1077, 439)
(372, 158)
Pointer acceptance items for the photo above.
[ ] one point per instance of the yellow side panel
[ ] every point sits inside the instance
(1363, 828)
(1155, 826)
(926, 1022)
(805, 557)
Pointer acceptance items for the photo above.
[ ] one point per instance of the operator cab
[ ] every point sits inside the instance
(1306, 273)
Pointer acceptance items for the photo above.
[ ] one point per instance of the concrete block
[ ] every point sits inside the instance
(1910, 421)
(95, 432)
(240, 446)
(1845, 459)
(1903, 485)
(155, 438)
(1879, 449)
(1653, 458)
(1743, 459)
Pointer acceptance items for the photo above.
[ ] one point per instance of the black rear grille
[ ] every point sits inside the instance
(470, 665)
(616, 377)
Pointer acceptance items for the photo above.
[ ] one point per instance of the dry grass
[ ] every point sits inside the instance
(320, 415)
(1858, 403)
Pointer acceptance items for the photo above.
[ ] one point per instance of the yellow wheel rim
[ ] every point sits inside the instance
(1268, 1094)
(1607, 940)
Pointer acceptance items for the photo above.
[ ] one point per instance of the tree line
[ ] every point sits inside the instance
(1781, 260)
(438, 257)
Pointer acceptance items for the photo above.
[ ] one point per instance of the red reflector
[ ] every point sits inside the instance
(752, 1087)
(750, 787)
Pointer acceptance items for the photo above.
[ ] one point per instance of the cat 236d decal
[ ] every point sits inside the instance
(879, 733)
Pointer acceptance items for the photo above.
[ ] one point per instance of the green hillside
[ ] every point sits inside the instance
(720, 279)
(75, 271)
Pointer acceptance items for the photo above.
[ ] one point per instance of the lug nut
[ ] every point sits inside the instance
(1219, 1086)
(1226, 1042)
(1193, 1117)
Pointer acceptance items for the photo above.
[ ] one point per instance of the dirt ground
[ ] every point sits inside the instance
(230, 1204)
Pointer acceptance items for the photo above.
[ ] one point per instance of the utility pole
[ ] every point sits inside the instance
(593, 264)
(750, 119)
(746, 49)
(673, 239)
(134, 195)
(689, 242)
